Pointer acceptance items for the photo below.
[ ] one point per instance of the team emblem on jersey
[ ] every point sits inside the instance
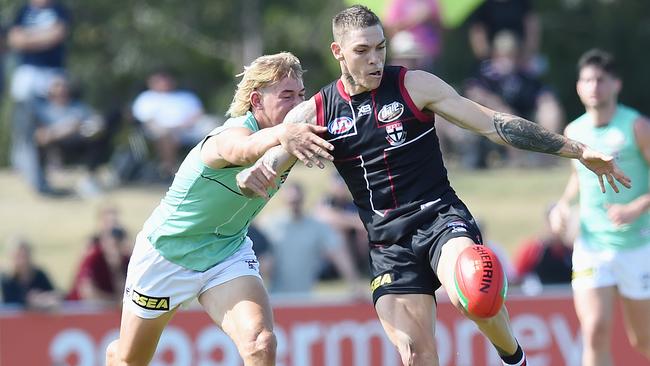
(395, 134)
(364, 110)
(390, 112)
(340, 125)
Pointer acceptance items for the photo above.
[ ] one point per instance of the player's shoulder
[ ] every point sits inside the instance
(578, 123)
(642, 127)
(247, 121)
(416, 79)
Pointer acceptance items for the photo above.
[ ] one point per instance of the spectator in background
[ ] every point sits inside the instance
(501, 84)
(300, 243)
(68, 130)
(172, 119)
(108, 218)
(26, 284)
(413, 28)
(339, 212)
(102, 272)
(515, 16)
(543, 260)
(37, 36)
(3, 52)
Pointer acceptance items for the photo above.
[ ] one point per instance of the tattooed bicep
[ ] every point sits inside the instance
(304, 112)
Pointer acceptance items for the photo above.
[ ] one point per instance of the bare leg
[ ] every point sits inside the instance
(408, 322)
(138, 339)
(241, 308)
(496, 329)
(637, 323)
(594, 308)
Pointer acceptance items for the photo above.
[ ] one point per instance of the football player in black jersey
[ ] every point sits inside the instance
(380, 121)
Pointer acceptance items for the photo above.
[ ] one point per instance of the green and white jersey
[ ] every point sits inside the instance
(203, 219)
(616, 139)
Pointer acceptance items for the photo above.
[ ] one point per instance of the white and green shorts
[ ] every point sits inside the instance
(155, 285)
(628, 270)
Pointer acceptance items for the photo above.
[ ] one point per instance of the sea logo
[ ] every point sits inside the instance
(340, 125)
(150, 302)
(390, 112)
(381, 280)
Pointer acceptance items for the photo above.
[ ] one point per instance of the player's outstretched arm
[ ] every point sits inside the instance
(430, 92)
(257, 179)
(240, 146)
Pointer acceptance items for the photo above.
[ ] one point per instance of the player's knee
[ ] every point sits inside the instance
(260, 345)
(413, 353)
(419, 358)
(596, 333)
(115, 358)
(111, 354)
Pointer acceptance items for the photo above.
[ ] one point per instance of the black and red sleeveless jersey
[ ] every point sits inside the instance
(387, 151)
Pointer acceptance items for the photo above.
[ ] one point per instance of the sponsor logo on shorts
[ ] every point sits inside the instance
(390, 112)
(585, 273)
(381, 280)
(150, 302)
(252, 263)
(645, 281)
(457, 226)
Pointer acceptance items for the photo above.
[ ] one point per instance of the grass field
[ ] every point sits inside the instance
(509, 203)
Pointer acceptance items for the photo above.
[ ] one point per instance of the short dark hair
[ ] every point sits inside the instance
(599, 58)
(354, 17)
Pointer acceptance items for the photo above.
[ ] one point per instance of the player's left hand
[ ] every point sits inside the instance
(623, 214)
(256, 180)
(604, 165)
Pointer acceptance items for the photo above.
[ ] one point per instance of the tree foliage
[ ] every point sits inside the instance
(115, 43)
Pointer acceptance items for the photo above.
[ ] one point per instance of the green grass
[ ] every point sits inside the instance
(509, 203)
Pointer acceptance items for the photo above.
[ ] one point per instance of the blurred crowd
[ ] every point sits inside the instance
(54, 128)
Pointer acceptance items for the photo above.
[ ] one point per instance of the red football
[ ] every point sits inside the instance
(481, 284)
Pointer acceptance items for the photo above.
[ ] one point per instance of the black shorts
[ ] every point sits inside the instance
(409, 266)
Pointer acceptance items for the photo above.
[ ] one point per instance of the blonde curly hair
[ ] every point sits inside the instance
(265, 71)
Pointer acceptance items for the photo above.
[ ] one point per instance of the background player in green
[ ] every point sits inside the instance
(407, 309)
(195, 245)
(611, 255)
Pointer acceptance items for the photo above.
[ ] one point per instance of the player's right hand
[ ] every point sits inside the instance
(301, 140)
(604, 165)
(558, 217)
(256, 180)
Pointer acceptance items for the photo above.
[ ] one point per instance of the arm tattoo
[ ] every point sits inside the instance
(278, 159)
(527, 135)
(271, 160)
